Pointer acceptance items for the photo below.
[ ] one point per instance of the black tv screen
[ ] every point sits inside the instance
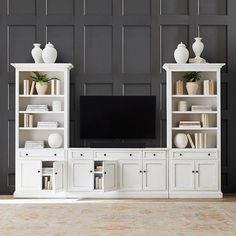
(117, 117)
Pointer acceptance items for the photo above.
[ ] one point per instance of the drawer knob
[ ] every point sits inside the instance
(38, 171)
(154, 154)
(105, 173)
(193, 171)
(91, 171)
(209, 154)
(196, 171)
(55, 173)
(55, 154)
(26, 154)
(181, 154)
(105, 154)
(81, 154)
(130, 154)
(140, 171)
(144, 171)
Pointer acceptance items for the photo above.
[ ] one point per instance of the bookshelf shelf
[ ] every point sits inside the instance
(40, 129)
(194, 112)
(202, 129)
(194, 96)
(41, 112)
(41, 96)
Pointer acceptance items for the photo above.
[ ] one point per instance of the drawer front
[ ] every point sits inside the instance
(118, 155)
(41, 153)
(195, 155)
(154, 155)
(81, 155)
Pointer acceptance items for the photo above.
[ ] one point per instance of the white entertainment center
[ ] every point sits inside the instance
(117, 172)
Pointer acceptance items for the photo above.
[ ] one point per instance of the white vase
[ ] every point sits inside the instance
(41, 88)
(182, 105)
(181, 140)
(55, 140)
(198, 47)
(49, 53)
(36, 53)
(181, 53)
(192, 88)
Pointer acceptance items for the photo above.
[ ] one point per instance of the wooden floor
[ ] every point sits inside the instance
(117, 217)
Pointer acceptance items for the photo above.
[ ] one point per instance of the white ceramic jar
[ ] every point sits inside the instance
(49, 53)
(55, 140)
(181, 140)
(36, 53)
(181, 54)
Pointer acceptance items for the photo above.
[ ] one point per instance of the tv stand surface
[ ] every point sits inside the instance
(118, 145)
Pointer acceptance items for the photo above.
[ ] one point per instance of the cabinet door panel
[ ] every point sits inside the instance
(130, 175)
(58, 176)
(154, 175)
(81, 175)
(207, 175)
(182, 175)
(30, 175)
(110, 175)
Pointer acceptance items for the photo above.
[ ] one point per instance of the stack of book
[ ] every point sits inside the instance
(201, 108)
(208, 87)
(47, 124)
(28, 121)
(179, 87)
(189, 124)
(98, 168)
(47, 170)
(34, 144)
(55, 87)
(27, 88)
(98, 183)
(37, 108)
(47, 182)
(200, 140)
(205, 120)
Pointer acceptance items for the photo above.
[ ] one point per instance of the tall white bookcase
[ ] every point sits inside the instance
(41, 169)
(194, 172)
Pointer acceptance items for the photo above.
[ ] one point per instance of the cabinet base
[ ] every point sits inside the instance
(195, 195)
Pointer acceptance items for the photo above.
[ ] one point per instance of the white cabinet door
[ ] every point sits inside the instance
(81, 175)
(110, 175)
(206, 175)
(58, 176)
(130, 175)
(30, 175)
(154, 175)
(182, 175)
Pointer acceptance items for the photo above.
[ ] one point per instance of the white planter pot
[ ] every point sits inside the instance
(181, 53)
(41, 89)
(36, 53)
(49, 53)
(181, 140)
(55, 140)
(192, 88)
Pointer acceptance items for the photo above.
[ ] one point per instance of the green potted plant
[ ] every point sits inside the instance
(192, 79)
(41, 82)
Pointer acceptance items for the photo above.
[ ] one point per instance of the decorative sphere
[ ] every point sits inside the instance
(181, 140)
(55, 140)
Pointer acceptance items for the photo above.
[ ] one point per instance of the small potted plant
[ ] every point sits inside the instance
(192, 79)
(41, 82)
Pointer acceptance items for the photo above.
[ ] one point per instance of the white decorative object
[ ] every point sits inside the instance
(181, 54)
(49, 53)
(192, 88)
(181, 140)
(182, 105)
(55, 140)
(41, 88)
(197, 47)
(56, 105)
(36, 53)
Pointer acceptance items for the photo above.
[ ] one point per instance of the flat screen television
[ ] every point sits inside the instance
(117, 117)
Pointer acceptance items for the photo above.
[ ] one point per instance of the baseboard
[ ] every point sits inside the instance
(195, 195)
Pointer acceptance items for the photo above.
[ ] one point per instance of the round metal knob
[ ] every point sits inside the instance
(105, 173)
(140, 171)
(144, 171)
(38, 171)
(81, 154)
(130, 154)
(193, 171)
(154, 154)
(91, 171)
(209, 154)
(105, 154)
(181, 154)
(55, 154)
(26, 154)
(55, 173)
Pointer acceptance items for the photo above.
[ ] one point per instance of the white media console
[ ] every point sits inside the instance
(117, 172)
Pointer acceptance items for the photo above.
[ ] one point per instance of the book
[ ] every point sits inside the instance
(190, 141)
(25, 120)
(196, 140)
(52, 87)
(96, 182)
(201, 108)
(58, 87)
(179, 87)
(32, 87)
(100, 183)
(189, 124)
(30, 120)
(205, 120)
(26, 87)
(45, 182)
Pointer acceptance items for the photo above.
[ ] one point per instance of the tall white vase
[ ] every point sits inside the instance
(36, 53)
(198, 47)
(49, 53)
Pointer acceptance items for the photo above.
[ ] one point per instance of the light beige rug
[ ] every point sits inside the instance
(110, 217)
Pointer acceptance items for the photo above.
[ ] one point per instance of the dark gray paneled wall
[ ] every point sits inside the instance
(118, 47)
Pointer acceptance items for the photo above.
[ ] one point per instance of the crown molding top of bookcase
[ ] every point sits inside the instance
(192, 66)
(42, 66)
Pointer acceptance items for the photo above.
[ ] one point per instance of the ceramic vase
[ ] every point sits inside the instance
(55, 140)
(198, 47)
(181, 140)
(49, 53)
(182, 106)
(181, 53)
(41, 88)
(36, 53)
(192, 88)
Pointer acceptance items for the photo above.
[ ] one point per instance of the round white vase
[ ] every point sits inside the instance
(181, 54)
(198, 47)
(36, 53)
(192, 88)
(181, 140)
(49, 53)
(41, 88)
(55, 140)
